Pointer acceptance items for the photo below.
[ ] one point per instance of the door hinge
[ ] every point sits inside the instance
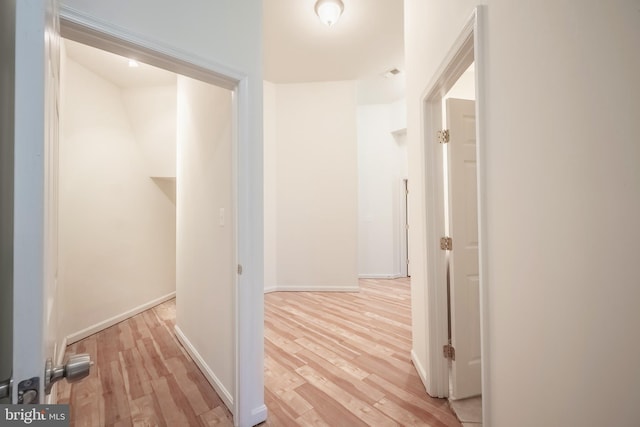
(443, 136)
(5, 389)
(446, 243)
(449, 352)
(239, 268)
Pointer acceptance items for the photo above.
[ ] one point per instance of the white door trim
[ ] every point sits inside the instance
(403, 222)
(248, 400)
(469, 47)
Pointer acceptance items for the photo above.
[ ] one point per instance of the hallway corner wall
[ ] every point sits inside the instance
(382, 166)
(314, 144)
(559, 160)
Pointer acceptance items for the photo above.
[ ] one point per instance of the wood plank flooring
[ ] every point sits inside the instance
(344, 359)
(142, 377)
(331, 359)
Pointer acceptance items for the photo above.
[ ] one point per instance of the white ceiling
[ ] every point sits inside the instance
(366, 42)
(115, 68)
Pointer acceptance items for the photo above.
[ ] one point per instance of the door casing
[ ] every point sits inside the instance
(468, 48)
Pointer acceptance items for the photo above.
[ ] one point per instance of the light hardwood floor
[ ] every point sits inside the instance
(343, 359)
(142, 376)
(331, 359)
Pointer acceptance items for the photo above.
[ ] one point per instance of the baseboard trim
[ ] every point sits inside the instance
(258, 415)
(381, 276)
(77, 336)
(312, 289)
(206, 370)
(61, 350)
(421, 371)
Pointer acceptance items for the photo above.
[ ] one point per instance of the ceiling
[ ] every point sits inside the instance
(115, 68)
(366, 42)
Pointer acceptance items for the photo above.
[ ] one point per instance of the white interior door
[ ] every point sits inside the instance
(463, 229)
(35, 190)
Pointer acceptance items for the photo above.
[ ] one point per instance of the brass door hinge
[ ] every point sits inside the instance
(449, 352)
(446, 243)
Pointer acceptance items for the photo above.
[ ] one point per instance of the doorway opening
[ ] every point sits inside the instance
(132, 235)
(243, 370)
(454, 183)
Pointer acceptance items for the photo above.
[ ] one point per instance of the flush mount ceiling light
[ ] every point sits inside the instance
(133, 63)
(329, 11)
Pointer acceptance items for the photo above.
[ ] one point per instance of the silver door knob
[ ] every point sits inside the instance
(77, 367)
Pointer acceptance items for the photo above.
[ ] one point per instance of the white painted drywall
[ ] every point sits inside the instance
(117, 228)
(222, 34)
(398, 112)
(382, 167)
(380, 89)
(270, 189)
(206, 250)
(562, 203)
(316, 186)
(152, 113)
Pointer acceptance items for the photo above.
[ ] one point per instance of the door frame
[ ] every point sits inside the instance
(469, 47)
(248, 401)
(404, 228)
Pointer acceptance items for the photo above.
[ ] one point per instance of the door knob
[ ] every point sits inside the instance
(77, 367)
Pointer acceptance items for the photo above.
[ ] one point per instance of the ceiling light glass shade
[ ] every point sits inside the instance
(329, 11)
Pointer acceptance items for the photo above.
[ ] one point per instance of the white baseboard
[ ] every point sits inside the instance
(380, 276)
(421, 371)
(312, 288)
(206, 370)
(258, 415)
(52, 398)
(77, 336)
(61, 349)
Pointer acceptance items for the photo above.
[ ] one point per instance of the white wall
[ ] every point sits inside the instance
(316, 185)
(382, 167)
(270, 188)
(297, 136)
(221, 34)
(206, 252)
(117, 228)
(398, 120)
(152, 112)
(381, 90)
(562, 203)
